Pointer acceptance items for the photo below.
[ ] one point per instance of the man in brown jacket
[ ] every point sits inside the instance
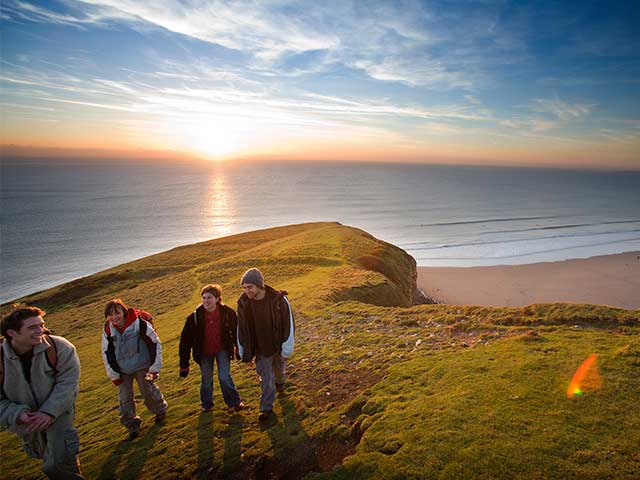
(266, 332)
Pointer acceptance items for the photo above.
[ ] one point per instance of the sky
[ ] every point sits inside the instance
(467, 82)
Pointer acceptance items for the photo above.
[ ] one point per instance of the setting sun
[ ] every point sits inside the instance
(212, 137)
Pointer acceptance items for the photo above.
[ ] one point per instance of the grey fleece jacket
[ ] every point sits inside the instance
(51, 392)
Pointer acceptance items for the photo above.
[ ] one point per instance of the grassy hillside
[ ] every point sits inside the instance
(378, 388)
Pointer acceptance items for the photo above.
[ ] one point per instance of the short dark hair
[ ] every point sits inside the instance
(20, 312)
(114, 304)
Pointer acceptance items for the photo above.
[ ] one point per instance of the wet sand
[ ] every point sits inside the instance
(607, 280)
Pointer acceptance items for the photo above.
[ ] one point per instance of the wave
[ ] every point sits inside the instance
(556, 227)
(536, 252)
(552, 227)
(488, 220)
(518, 240)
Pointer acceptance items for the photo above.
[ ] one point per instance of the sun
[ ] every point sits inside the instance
(217, 143)
(212, 137)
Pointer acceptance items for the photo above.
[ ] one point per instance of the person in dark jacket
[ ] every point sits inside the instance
(266, 332)
(210, 333)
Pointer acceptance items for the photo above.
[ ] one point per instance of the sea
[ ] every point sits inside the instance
(62, 220)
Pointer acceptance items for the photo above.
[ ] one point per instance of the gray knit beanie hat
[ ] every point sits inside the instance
(253, 275)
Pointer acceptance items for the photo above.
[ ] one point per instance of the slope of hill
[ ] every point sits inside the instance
(378, 388)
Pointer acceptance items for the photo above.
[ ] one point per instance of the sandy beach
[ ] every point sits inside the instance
(608, 280)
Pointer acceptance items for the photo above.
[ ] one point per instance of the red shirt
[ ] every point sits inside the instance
(212, 341)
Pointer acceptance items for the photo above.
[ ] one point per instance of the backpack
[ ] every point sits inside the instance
(146, 317)
(51, 354)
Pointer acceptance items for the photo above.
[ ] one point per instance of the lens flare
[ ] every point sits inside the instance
(587, 377)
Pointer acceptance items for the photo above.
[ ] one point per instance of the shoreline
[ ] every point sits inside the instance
(612, 280)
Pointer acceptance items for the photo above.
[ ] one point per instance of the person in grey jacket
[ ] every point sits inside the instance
(39, 384)
(132, 350)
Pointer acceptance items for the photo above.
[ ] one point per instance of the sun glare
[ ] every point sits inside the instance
(212, 137)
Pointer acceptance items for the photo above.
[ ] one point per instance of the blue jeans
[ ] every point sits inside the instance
(229, 392)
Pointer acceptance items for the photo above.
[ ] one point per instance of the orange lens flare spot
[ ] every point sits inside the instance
(587, 377)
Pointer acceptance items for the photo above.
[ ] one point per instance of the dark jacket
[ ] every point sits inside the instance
(280, 317)
(193, 333)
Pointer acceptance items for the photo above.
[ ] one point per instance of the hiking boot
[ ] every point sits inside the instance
(280, 387)
(237, 408)
(134, 431)
(161, 416)
(264, 415)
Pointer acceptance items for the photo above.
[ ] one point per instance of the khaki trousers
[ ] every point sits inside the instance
(150, 392)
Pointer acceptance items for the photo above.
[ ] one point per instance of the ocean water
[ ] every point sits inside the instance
(63, 221)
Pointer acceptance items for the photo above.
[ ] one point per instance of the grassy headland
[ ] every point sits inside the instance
(378, 388)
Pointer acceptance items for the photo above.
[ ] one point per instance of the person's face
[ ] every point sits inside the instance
(209, 300)
(29, 335)
(116, 317)
(252, 291)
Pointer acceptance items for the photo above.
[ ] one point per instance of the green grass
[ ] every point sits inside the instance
(394, 390)
(501, 411)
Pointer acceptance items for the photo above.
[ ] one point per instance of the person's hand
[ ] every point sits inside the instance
(236, 353)
(38, 421)
(24, 417)
(184, 372)
(152, 376)
(117, 382)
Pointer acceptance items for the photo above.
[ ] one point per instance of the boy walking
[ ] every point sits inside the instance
(132, 350)
(266, 332)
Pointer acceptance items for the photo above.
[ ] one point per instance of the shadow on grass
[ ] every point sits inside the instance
(205, 445)
(138, 449)
(293, 449)
(232, 435)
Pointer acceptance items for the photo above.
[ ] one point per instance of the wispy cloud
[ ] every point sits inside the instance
(562, 110)
(27, 11)
(392, 42)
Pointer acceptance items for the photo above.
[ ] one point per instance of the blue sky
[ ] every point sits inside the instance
(546, 83)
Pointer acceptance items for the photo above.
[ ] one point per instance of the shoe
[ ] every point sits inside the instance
(237, 408)
(264, 415)
(280, 387)
(134, 431)
(161, 416)
(207, 409)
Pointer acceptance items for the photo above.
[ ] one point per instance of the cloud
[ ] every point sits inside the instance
(405, 41)
(415, 73)
(26, 11)
(620, 136)
(562, 110)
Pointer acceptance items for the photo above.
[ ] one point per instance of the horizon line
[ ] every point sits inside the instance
(20, 154)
